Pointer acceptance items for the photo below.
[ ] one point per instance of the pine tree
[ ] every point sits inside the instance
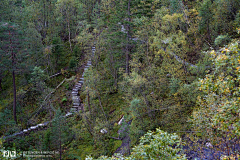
(13, 54)
(57, 55)
(224, 16)
(206, 15)
(60, 132)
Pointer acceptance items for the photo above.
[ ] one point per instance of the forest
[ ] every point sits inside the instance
(120, 79)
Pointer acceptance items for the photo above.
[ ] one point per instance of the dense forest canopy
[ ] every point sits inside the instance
(120, 79)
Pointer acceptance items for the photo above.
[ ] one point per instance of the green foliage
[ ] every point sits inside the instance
(38, 79)
(116, 144)
(14, 49)
(205, 13)
(46, 140)
(175, 6)
(2, 149)
(237, 21)
(174, 85)
(72, 63)
(60, 132)
(9, 10)
(162, 43)
(158, 145)
(153, 145)
(222, 40)
(224, 16)
(77, 52)
(58, 57)
(67, 84)
(143, 8)
(64, 99)
(135, 105)
(219, 109)
(7, 125)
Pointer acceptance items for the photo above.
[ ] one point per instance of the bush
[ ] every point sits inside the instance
(221, 40)
(153, 145)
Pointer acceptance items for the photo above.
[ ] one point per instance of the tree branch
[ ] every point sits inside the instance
(48, 96)
(115, 138)
(55, 75)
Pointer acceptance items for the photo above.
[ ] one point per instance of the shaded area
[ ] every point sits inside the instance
(123, 132)
(206, 151)
(77, 105)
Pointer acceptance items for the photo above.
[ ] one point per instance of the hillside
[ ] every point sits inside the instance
(120, 79)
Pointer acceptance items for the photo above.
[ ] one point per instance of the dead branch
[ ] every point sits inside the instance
(48, 96)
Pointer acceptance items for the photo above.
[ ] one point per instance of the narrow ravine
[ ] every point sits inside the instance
(76, 105)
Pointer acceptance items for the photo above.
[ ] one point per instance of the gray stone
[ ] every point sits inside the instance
(74, 92)
(77, 87)
(75, 97)
(73, 110)
(76, 101)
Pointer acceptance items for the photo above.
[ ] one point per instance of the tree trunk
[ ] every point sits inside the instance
(44, 21)
(69, 37)
(60, 145)
(0, 83)
(208, 32)
(89, 108)
(69, 33)
(128, 36)
(69, 30)
(13, 77)
(14, 97)
(127, 59)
